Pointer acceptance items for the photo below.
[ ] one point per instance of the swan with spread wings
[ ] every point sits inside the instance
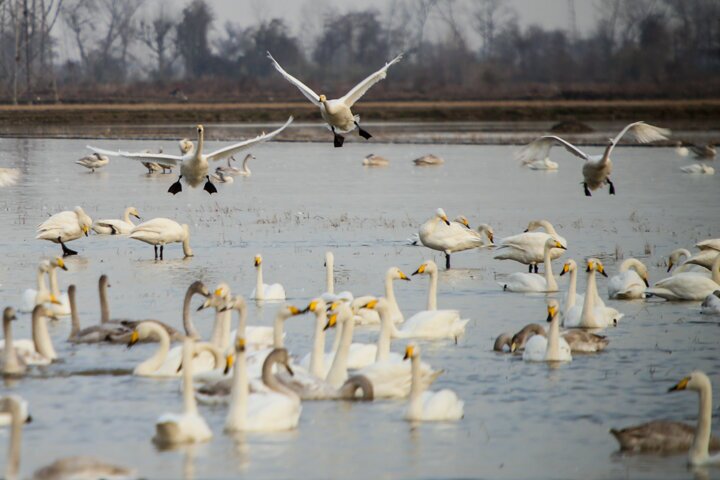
(337, 113)
(194, 163)
(597, 168)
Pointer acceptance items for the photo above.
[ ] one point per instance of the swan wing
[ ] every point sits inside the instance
(642, 133)
(142, 156)
(304, 89)
(272, 412)
(233, 149)
(442, 405)
(540, 148)
(361, 88)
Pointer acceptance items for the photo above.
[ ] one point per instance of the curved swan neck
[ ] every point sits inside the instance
(701, 441)
(432, 291)
(338, 371)
(245, 166)
(317, 357)
(187, 250)
(153, 363)
(553, 338)
(126, 215)
(188, 353)
(188, 325)
(41, 337)
(268, 377)
(104, 307)
(548, 227)
(75, 318)
(549, 277)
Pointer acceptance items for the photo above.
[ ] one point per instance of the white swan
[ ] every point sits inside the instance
(428, 161)
(597, 168)
(65, 227)
(338, 113)
(554, 348)
(373, 160)
(630, 282)
(93, 161)
(189, 426)
(24, 412)
(39, 349)
(532, 282)
(426, 406)
(116, 226)
(234, 171)
(277, 410)
(680, 256)
(593, 313)
(440, 234)
(571, 297)
(674, 437)
(263, 291)
(698, 169)
(711, 304)
(9, 176)
(104, 332)
(529, 247)
(705, 258)
(71, 467)
(166, 362)
(42, 294)
(10, 362)
(363, 316)
(688, 286)
(709, 244)
(194, 164)
(541, 164)
(161, 231)
(574, 302)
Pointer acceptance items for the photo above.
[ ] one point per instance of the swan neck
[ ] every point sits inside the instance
(41, 287)
(278, 331)
(385, 337)
(338, 371)
(329, 276)
(259, 288)
(553, 345)
(701, 441)
(572, 290)
(104, 307)
(13, 461)
(190, 407)
(432, 291)
(188, 325)
(549, 277)
(269, 378)
(246, 167)
(237, 414)
(416, 389)
(317, 357)
(54, 288)
(74, 316)
(41, 337)
(221, 329)
(200, 144)
(336, 340)
(153, 363)
(187, 250)
(389, 289)
(126, 216)
(588, 310)
(11, 363)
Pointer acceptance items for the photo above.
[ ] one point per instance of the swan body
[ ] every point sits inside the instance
(93, 161)
(165, 167)
(337, 113)
(117, 226)
(597, 168)
(263, 291)
(543, 164)
(593, 313)
(580, 341)
(709, 244)
(160, 232)
(532, 282)
(426, 406)
(705, 152)
(529, 247)
(39, 349)
(680, 256)
(440, 234)
(221, 177)
(428, 161)
(630, 282)
(234, 171)
(9, 176)
(698, 169)
(553, 348)
(104, 332)
(711, 304)
(688, 286)
(373, 160)
(64, 227)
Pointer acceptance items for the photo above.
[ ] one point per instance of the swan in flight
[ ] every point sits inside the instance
(428, 161)
(115, 226)
(9, 176)
(337, 113)
(194, 165)
(663, 436)
(93, 161)
(532, 282)
(427, 406)
(597, 168)
(373, 160)
(439, 233)
(630, 282)
(234, 171)
(161, 231)
(65, 227)
(529, 247)
(689, 285)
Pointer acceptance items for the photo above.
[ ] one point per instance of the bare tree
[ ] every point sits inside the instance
(489, 17)
(155, 36)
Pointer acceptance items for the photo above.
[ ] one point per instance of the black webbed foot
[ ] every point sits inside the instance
(176, 187)
(587, 190)
(66, 251)
(209, 187)
(612, 187)
(338, 141)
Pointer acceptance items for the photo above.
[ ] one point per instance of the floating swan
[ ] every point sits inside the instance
(698, 169)
(426, 406)
(674, 437)
(630, 282)
(428, 161)
(373, 160)
(189, 426)
(532, 282)
(65, 227)
(10, 362)
(580, 341)
(117, 227)
(597, 168)
(571, 298)
(161, 231)
(439, 234)
(711, 304)
(39, 349)
(9, 176)
(42, 294)
(688, 286)
(194, 164)
(105, 332)
(678, 255)
(338, 113)
(263, 291)
(554, 348)
(594, 313)
(221, 177)
(529, 247)
(543, 164)
(70, 467)
(234, 171)
(93, 161)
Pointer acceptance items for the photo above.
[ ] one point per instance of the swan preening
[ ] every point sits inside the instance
(338, 113)
(194, 164)
(117, 226)
(675, 437)
(64, 227)
(160, 232)
(630, 282)
(529, 247)
(93, 161)
(597, 168)
(440, 234)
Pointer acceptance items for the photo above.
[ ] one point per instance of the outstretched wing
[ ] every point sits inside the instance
(233, 149)
(642, 133)
(142, 156)
(359, 90)
(304, 89)
(539, 149)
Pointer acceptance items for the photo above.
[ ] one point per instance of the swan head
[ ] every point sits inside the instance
(371, 303)
(676, 256)
(536, 225)
(258, 260)
(289, 311)
(133, 211)
(552, 243)
(595, 264)
(488, 230)
(316, 305)
(427, 268)
(9, 314)
(397, 274)
(697, 381)
(329, 259)
(411, 351)
(569, 266)
(552, 308)
(59, 263)
(323, 99)
(200, 129)
(462, 220)
(199, 287)
(440, 213)
(332, 321)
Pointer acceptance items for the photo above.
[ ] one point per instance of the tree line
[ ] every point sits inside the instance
(142, 50)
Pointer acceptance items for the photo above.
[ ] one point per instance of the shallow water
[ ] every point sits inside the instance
(521, 420)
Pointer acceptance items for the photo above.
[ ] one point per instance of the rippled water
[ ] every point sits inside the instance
(521, 420)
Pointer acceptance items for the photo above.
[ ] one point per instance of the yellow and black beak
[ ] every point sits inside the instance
(681, 385)
(670, 265)
(404, 277)
(513, 347)
(601, 269)
(371, 304)
(134, 337)
(590, 266)
(136, 216)
(86, 230)
(229, 361)
(294, 310)
(311, 306)
(61, 263)
(565, 269)
(54, 300)
(552, 311)
(445, 219)
(409, 350)
(560, 245)
(258, 261)
(421, 269)
(332, 321)
(491, 237)
(645, 279)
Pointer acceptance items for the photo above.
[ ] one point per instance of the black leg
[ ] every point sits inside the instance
(587, 190)
(176, 187)
(66, 251)
(530, 268)
(156, 256)
(162, 249)
(209, 187)
(447, 261)
(363, 133)
(338, 140)
(612, 187)
(536, 268)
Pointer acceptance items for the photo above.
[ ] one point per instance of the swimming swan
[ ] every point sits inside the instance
(194, 164)
(554, 348)
(161, 231)
(115, 226)
(93, 161)
(529, 247)
(10, 362)
(234, 171)
(597, 168)
(440, 234)
(65, 227)
(337, 113)
(630, 282)
(373, 160)
(263, 291)
(428, 161)
(580, 341)
(594, 313)
(39, 349)
(104, 332)
(427, 406)
(532, 282)
(688, 286)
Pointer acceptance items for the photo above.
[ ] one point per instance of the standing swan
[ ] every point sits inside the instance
(532, 282)
(93, 161)
(65, 227)
(115, 226)
(263, 291)
(194, 165)
(597, 168)
(440, 234)
(426, 406)
(630, 282)
(161, 231)
(337, 113)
